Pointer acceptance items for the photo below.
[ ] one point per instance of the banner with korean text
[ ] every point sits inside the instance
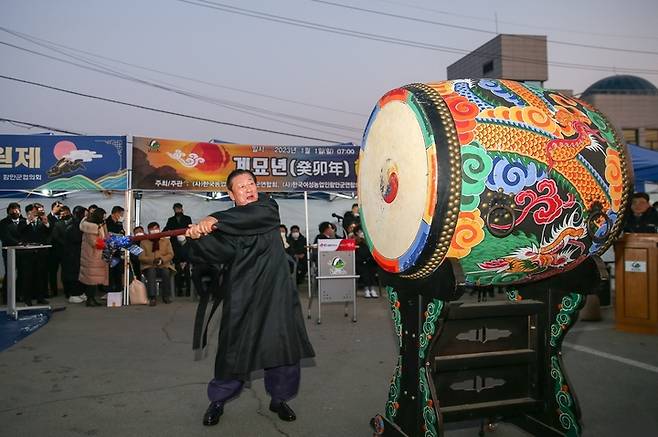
(172, 165)
(63, 163)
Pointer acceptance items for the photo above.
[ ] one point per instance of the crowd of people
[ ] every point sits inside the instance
(73, 253)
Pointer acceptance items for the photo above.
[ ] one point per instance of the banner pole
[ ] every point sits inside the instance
(308, 255)
(127, 220)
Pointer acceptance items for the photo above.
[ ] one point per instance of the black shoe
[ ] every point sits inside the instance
(91, 302)
(213, 413)
(152, 302)
(42, 302)
(165, 299)
(283, 410)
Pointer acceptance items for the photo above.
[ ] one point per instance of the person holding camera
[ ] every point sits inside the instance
(156, 263)
(54, 256)
(34, 262)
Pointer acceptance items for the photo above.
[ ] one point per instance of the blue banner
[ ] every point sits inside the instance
(63, 163)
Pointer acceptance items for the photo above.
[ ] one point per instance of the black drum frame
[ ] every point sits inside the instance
(493, 361)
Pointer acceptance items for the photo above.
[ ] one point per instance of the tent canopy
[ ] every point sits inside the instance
(645, 165)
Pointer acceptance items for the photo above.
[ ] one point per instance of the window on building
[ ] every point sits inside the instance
(487, 68)
(651, 138)
(630, 136)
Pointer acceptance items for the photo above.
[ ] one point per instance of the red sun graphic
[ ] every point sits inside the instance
(63, 148)
(215, 156)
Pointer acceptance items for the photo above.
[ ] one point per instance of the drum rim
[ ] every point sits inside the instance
(416, 248)
(448, 158)
(435, 115)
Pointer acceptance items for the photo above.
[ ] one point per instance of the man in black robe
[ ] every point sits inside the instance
(262, 325)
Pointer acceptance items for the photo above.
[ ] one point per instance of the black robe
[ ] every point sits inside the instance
(262, 323)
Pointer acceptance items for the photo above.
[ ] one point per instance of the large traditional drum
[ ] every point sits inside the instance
(516, 182)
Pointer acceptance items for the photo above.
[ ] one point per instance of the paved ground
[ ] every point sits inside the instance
(129, 372)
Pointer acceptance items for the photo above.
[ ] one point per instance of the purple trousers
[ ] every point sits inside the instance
(281, 383)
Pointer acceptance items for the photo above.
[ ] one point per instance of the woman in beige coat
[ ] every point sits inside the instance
(93, 270)
(155, 261)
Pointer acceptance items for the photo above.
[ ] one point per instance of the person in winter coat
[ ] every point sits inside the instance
(156, 263)
(94, 271)
(71, 257)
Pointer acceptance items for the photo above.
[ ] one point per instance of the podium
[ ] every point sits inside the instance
(12, 309)
(636, 283)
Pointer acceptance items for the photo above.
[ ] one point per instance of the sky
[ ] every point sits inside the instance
(307, 71)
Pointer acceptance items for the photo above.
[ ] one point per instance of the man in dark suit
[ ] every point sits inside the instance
(181, 260)
(34, 263)
(10, 236)
(54, 259)
(114, 224)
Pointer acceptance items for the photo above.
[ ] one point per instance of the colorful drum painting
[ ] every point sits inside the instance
(516, 182)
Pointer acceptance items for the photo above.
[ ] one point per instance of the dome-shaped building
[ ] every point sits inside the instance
(631, 104)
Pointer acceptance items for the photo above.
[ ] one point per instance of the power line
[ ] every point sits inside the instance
(391, 40)
(34, 40)
(239, 107)
(40, 126)
(164, 111)
(533, 26)
(476, 29)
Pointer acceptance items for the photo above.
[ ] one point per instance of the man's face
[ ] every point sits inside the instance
(243, 190)
(179, 211)
(14, 213)
(117, 216)
(639, 205)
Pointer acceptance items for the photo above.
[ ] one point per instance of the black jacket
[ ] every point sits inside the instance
(646, 223)
(178, 222)
(9, 232)
(35, 233)
(114, 227)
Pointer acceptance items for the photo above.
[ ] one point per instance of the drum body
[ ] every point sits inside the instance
(516, 182)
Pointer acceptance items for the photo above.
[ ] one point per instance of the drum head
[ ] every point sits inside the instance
(397, 181)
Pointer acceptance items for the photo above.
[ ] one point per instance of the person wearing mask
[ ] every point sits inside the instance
(642, 217)
(156, 262)
(179, 220)
(262, 326)
(54, 256)
(72, 245)
(114, 225)
(57, 239)
(366, 266)
(10, 236)
(134, 259)
(352, 217)
(94, 272)
(297, 244)
(34, 263)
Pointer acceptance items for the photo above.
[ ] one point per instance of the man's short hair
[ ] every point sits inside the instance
(56, 202)
(29, 208)
(13, 205)
(293, 227)
(117, 209)
(323, 226)
(93, 206)
(355, 204)
(178, 205)
(235, 173)
(152, 225)
(66, 208)
(644, 196)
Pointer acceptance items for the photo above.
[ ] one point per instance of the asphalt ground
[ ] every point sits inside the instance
(130, 372)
